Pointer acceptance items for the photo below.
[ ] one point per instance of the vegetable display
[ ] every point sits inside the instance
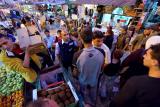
(61, 94)
(10, 81)
(16, 99)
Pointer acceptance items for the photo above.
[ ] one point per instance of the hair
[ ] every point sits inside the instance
(23, 21)
(156, 52)
(118, 54)
(4, 36)
(118, 20)
(109, 31)
(99, 26)
(59, 31)
(46, 30)
(98, 34)
(86, 35)
(27, 18)
(37, 103)
(125, 28)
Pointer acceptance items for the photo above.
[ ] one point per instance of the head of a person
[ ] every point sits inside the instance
(86, 36)
(23, 21)
(43, 103)
(65, 35)
(28, 21)
(47, 33)
(147, 31)
(6, 42)
(117, 54)
(109, 31)
(3, 31)
(97, 38)
(152, 57)
(118, 20)
(59, 32)
(153, 48)
(124, 30)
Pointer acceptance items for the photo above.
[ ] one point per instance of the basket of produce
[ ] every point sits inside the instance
(10, 81)
(11, 87)
(16, 99)
(61, 93)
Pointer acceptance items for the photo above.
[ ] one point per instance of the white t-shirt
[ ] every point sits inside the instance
(107, 53)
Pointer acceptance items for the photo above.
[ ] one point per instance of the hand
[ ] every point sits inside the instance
(28, 50)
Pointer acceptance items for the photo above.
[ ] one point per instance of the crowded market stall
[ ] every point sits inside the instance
(76, 53)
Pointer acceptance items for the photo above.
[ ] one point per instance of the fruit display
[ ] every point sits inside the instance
(61, 94)
(10, 81)
(16, 99)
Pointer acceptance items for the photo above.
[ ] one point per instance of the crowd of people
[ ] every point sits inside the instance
(120, 70)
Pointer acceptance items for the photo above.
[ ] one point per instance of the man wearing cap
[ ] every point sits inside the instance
(143, 91)
(141, 39)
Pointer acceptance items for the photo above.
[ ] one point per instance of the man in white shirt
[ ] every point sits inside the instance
(98, 42)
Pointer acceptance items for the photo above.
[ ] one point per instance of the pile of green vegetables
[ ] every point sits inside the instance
(10, 81)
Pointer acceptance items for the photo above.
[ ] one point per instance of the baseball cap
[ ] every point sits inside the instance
(152, 41)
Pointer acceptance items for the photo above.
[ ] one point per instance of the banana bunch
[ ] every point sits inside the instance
(16, 64)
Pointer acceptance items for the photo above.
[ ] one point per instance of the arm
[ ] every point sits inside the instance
(133, 43)
(26, 61)
(16, 64)
(57, 52)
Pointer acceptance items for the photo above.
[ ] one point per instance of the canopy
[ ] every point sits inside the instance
(106, 2)
(12, 2)
(99, 2)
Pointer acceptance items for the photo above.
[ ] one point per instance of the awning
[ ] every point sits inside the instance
(53, 2)
(106, 2)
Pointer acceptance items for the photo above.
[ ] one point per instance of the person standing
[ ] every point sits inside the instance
(142, 91)
(50, 42)
(98, 43)
(89, 64)
(65, 49)
(123, 39)
(141, 39)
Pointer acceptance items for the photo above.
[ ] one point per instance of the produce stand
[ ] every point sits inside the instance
(62, 91)
(11, 88)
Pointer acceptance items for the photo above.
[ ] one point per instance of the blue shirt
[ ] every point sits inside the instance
(50, 40)
(11, 37)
